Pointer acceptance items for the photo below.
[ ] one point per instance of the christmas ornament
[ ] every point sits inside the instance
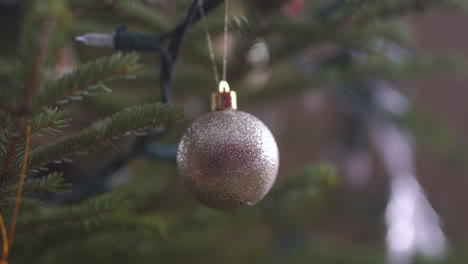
(228, 159)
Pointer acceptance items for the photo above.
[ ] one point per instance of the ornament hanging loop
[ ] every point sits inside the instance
(224, 99)
(224, 87)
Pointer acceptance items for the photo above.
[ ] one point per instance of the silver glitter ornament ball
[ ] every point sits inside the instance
(228, 159)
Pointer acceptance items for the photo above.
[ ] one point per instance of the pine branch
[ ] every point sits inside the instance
(369, 11)
(91, 213)
(355, 37)
(38, 37)
(143, 13)
(11, 151)
(86, 78)
(136, 10)
(33, 84)
(313, 176)
(436, 135)
(298, 194)
(133, 119)
(28, 205)
(48, 122)
(6, 123)
(53, 182)
(380, 67)
(84, 26)
(30, 68)
(305, 75)
(10, 98)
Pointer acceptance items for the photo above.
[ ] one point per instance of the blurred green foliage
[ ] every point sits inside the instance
(147, 216)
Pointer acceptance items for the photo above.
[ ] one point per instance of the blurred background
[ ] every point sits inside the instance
(366, 99)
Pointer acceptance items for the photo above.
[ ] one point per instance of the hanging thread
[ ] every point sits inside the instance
(226, 20)
(210, 42)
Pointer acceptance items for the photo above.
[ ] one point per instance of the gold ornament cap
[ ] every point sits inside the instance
(224, 98)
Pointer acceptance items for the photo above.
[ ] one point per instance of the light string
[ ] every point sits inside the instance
(210, 42)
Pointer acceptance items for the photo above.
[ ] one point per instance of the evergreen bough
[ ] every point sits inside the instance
(34, 94)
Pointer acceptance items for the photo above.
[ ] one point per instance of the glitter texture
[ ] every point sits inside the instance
(228, 159)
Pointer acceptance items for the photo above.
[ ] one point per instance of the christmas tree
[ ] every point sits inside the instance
(89, 134)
